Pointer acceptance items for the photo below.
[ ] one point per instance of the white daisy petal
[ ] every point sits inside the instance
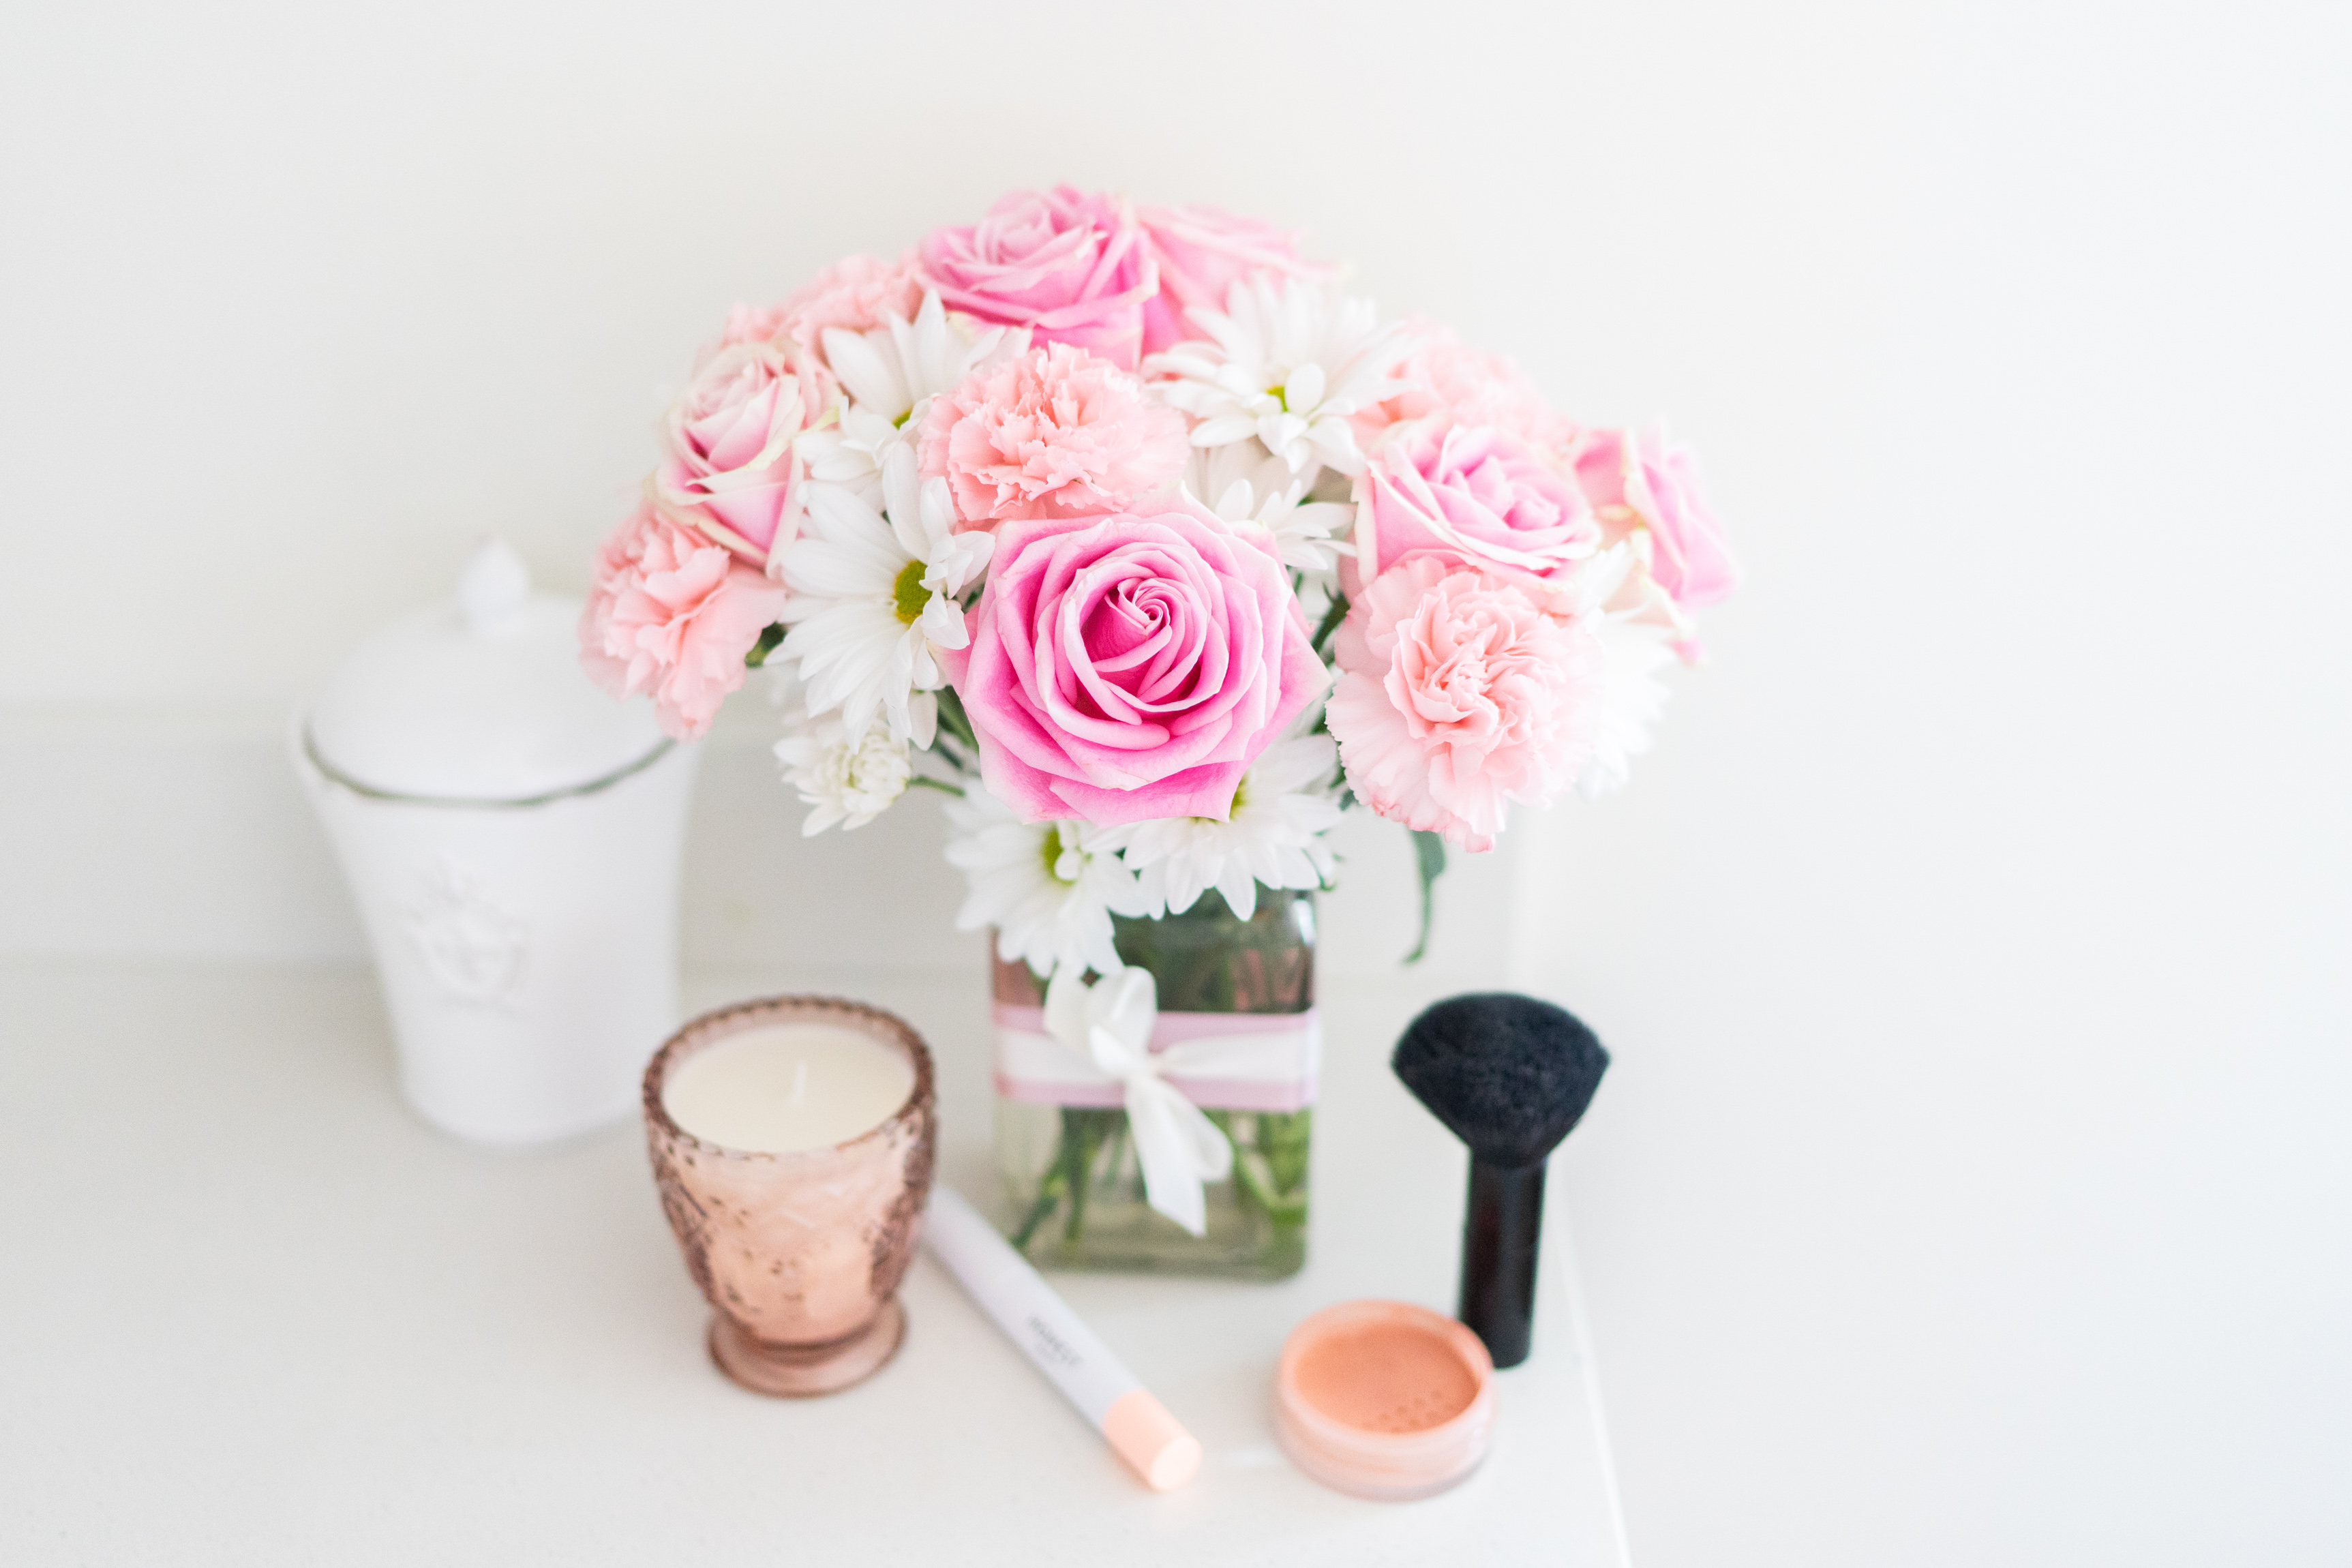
(1223, 428)
(868, 376)
(1335, 439)
(922, 719)
(1305, 388)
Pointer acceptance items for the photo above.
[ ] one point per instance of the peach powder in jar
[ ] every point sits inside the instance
(1384, 1400)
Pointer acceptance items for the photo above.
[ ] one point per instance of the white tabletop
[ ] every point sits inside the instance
(256, 1313)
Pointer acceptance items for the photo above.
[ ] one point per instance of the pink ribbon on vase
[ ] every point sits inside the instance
(1228, 1061)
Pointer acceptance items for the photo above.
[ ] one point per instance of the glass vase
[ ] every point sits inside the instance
(1073, 1185)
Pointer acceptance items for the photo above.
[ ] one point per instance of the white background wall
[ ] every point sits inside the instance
(1973, 1183)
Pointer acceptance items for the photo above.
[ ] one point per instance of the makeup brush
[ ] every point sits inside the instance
(1509, 1075)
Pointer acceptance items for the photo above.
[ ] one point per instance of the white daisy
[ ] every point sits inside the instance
(1275, 835)
(1244, 483)
(1611, 593)
(890, 375)
(875, 596)
(1047, 887)
(1631, 697)
(850, 780)
(1286, 365)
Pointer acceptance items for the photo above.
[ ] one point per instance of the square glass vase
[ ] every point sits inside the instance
(1074, 1194)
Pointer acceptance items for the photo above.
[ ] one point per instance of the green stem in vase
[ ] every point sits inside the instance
(1082, 1132)
(1049, 1196)
(1073, 1171)
(1224, 1123)
(1284, 1139)
(1115, 1153)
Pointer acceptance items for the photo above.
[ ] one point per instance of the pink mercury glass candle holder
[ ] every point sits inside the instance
(800, 1253)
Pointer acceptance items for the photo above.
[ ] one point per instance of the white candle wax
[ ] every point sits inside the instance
(781, 1088)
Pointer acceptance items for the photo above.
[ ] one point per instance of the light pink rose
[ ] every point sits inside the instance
(1072, 268)
(1462, 692)
(856, 294)
(1131, 667)
(1053, 432)
(754, 324)
(672, 615)
(1202, 253)
(1470, 386)
(1642, 481)
(728, 464)
(1473, 492)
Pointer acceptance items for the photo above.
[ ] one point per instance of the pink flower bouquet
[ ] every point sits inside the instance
(1128, 530)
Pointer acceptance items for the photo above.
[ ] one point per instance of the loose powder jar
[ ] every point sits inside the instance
(1384, 1400)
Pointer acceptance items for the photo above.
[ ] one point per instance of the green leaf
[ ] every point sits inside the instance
(954, 721)
(769, 637)
(1332, 615)
(1429, 852)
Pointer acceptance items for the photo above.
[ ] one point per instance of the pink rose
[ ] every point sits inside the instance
(727, 466)
(1053, 433)
(1642, 481)
(1468, 386)
(1131, 667)
(672, 615)
(1463, 691)
(1476, 494)
(1202, 253)
(1072, 268)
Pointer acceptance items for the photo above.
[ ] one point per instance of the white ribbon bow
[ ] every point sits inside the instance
(1109, 1023)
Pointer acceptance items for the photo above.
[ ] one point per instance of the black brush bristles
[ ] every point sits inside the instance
(1509, 1074)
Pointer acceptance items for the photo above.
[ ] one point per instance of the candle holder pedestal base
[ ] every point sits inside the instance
(805, 1371)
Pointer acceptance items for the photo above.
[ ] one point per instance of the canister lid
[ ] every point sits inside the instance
(481, 699)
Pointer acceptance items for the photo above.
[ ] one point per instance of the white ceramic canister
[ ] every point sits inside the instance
(513, 838)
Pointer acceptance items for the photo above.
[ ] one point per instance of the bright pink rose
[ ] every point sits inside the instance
(1469, 387)
(1133, 666)
(1070, 267)
(1641, 481)
(1202, 253)
(1473, 492)
(1462, 692)
(671, 614)
(856, 294)
(1053, 433)
(727, 464)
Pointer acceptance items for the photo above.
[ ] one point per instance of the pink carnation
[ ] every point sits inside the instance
(1477, 494)
(1072, 268)
(1641, 481)
(1053, 432)
(1202, 253)
(1469, 387)
(1131, 667)
(729, 465)
(672, 615)
(1462, 692)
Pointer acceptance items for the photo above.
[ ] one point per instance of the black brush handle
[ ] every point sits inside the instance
(1499, 1236)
